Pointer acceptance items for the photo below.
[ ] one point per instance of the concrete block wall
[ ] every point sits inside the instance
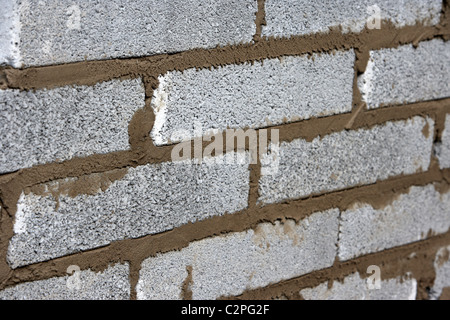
(119, 179)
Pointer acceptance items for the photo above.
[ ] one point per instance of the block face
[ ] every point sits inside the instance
(146, 200)
(408, 219)
(63, 123)
(300, 17)
(347, 159)
(228, 265)
(442, 268)
(354, 287)
(252, 95)
(111, 284)
(443, 149)
(9, 33)
(54, 31)
(407, 75)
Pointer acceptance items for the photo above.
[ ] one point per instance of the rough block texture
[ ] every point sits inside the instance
(146, 200)
(228, 265)
(63, 123)
(111, 284)
(341, 160)
(236, 96)
(408, 219)
(56, 31)
(407, 74)
(443, 149)
(299, 17)
(442, 268)
(9, 33)
(354, 287)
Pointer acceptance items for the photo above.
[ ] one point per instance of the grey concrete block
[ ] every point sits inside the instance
(347, 159)
(111, 284)
(408, 219)
(407, 74)
(56, 31)
(60, 124)
(354, 287)
(442, 268)
(147, 200)
(299, 17)
(9, 33)
(443, 148)
(252, 95)
(228, 265)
